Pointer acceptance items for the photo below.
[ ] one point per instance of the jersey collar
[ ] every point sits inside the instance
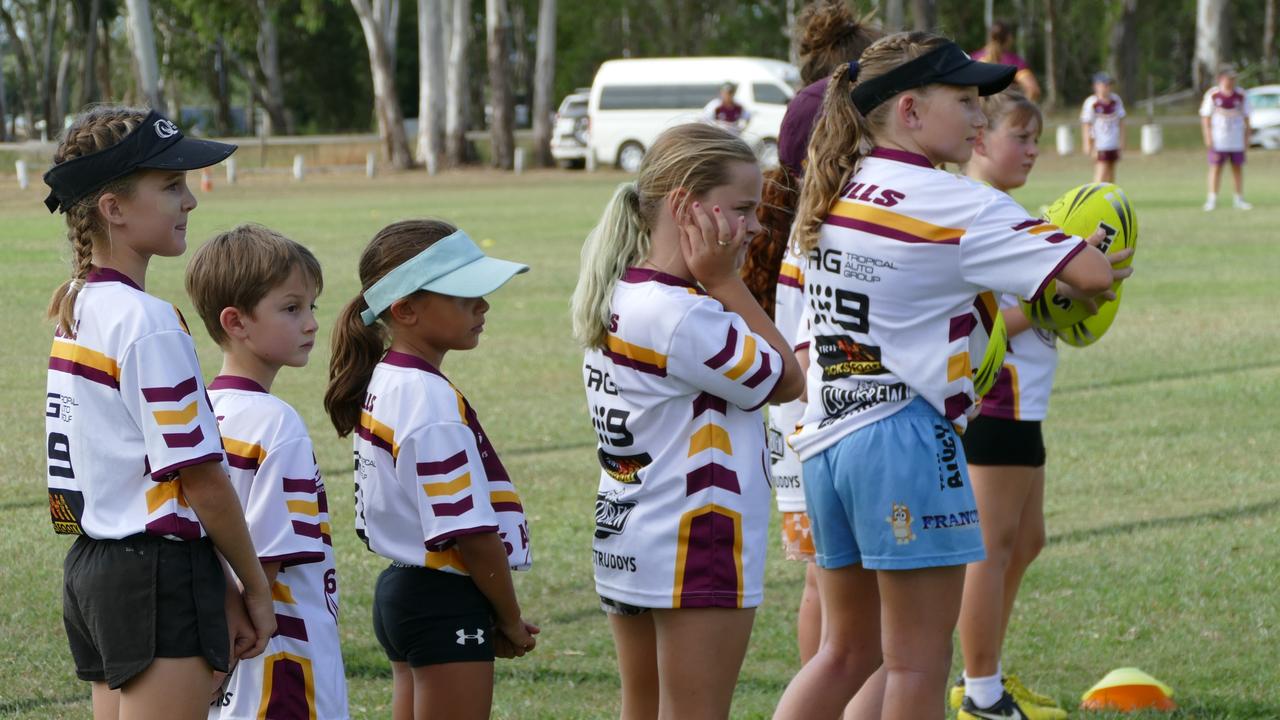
(413, 362)
(639, 275)
(97, 275)
(901, 156)
(235, 382)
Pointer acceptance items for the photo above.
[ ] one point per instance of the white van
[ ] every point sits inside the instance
(634, 100)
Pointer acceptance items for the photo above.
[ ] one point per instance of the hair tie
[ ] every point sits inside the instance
(854, 69)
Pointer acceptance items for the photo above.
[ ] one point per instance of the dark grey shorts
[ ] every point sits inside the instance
(126, 602)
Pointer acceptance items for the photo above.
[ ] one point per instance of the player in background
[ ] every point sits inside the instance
(255, 291)
(432, 496)
(679, 357)
(135, 463)
(727, 112)
(999, 49)
(1224, 119)
(1004, 444)
(828, 35)
(898, 252)
(1102, 128)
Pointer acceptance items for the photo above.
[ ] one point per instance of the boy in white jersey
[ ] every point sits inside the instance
(899, 252)
(1224, 119)
(1102, 128)
(431, 494)
(135, 464)
(255, 290)
(679, 358)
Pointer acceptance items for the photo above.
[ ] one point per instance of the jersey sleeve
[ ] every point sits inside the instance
(283, 509)
(1120, 113)
(1006, 251)
(1206, 105)
(162, 389)
(716, 352)
(443, 466)
(1086, 111)
(788, 305)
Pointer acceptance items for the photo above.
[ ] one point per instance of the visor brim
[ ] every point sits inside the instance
(989, 78)
(189, 154)
(478, 278)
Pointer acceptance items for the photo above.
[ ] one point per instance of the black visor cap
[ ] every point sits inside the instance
(156, 144)
(945, 65)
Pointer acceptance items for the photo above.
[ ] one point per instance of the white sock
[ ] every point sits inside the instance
(1213, 198)
(984, 691)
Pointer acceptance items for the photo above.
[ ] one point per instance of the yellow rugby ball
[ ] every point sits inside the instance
(1081, 211)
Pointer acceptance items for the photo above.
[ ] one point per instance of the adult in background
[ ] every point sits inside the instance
(999, 49)
(727, 112)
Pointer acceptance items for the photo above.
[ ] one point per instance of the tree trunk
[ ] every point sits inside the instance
(544, 81)
(1269, 41)
(1122, 58)
(893, 16)
(386, 103)
(143, 42)
(458, 83)
(502, 126)
(387, 13)
(220, 84)
(63, 83)
(431, 90)
(268, 47)
(1209, 32)
(1051, 95)
(89, 78)
(924, 14)
(4, 107)
(104, 67)
(49, 83)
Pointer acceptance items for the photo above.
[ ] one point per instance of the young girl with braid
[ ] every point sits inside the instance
(897, 253)
(135, 461)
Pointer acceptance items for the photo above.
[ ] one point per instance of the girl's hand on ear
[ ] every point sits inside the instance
(711, 245)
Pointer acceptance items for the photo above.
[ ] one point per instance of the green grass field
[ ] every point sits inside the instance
(1163, 503)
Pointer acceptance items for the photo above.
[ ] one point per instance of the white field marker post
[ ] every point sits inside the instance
(299, 168)
(1152, 139)
(370, 165)
(231, 170)
(1066, 140)
(519, 160)
(24, 180)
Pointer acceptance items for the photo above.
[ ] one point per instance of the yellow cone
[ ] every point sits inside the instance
(1127, 689)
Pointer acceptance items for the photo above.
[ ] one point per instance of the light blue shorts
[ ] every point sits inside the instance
(894, 495)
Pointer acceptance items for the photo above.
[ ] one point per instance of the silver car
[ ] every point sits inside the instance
(571, 134)
(1264, 116)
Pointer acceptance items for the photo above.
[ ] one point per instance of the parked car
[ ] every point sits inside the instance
(571, 133)
(634, 100)
(1264, 116)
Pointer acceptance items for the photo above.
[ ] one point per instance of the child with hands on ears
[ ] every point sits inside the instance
(679, 359)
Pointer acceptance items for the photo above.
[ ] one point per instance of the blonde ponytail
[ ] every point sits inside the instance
(617, 242)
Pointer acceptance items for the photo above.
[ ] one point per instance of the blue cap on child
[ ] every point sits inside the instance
(451, 266)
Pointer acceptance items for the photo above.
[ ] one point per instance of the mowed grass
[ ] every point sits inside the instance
(1162, 503)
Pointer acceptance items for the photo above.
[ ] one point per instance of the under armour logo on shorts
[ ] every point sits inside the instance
(463, 637)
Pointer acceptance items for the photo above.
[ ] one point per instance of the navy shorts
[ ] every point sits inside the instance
(429, 617)
(894, 495)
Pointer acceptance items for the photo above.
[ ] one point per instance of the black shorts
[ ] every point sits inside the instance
(126, 602)
(997, 441)
(430, 617)
(617, 607)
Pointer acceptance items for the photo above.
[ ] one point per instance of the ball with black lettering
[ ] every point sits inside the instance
(1081, 211)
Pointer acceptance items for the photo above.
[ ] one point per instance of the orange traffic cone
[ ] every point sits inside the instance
(1127, 690)
(206, 180)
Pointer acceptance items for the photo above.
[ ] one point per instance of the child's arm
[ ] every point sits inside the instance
(1086, 140)
(486, 560)
(1015, 321)
(209, 492)
(1091, 273)
(711, 248)
(1206, 131)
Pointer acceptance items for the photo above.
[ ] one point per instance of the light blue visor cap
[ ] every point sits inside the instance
(451, 266)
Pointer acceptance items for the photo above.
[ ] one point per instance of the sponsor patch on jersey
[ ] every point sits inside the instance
(624, 468)
(611, 515)
(837, 401)
(841, 356)
(66, 507)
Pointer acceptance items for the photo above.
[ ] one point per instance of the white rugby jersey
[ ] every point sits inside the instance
(682, 510)
(426, 474)
(788, 313)
(1021, 391)
(892, 291)
(1227, 113)
(125, 411)
(274, 472)
(1103, 118)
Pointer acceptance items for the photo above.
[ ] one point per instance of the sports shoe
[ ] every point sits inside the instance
(1006, 708)
(1240, 204)
(1210, 204)
(1025, 695)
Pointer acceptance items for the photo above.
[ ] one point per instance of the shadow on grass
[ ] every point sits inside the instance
(1124, 528)
(1165, 377)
